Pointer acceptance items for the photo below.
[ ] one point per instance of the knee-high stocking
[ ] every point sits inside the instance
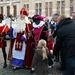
(4, 55)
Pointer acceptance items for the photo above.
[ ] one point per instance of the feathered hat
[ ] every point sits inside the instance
(38, 17)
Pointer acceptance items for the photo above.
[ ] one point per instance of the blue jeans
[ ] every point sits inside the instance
(70, 65)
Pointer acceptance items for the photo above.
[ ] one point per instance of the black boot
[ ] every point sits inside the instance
(5, 57)
(5, 65)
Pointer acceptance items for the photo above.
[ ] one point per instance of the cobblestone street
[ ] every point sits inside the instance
(9, 71)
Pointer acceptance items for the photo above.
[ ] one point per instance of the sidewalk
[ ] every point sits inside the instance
(9, 71)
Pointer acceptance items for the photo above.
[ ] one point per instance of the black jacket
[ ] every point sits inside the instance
(66, 34)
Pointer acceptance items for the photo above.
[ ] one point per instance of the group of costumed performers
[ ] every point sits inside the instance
(20, 52)
(40, 31)
(4, 29)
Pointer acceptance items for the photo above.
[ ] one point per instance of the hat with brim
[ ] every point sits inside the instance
(38, 17)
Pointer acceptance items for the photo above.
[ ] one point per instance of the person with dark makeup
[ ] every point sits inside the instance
(39, 31)
(3, 32)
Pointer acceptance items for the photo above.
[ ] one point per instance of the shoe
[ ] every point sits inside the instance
(50, 66)
(61, 68)
(5, 65)
(32, 71)
(14, 68)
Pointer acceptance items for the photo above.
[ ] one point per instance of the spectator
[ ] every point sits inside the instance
(54, 34)
(40, 59)
(53, 22)
(50, 45)
(66, 34)
(73, 16)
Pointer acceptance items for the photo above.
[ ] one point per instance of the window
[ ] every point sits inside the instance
(60, 7)
(1, 0)
(38, 8)
(8, 10)
(26, 6)
(15, 11)
(71, 6)
(48, 8)
(1, 10)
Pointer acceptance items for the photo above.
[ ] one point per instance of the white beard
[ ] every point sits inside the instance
(21, 25)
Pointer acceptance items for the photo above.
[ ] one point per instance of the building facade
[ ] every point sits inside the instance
(42, 7)
(6, 9)
(49, 7)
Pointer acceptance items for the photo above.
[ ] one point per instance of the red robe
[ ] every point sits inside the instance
(18, 41)
(28, 55)
(3, 32)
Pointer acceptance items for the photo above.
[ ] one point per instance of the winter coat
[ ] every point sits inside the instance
(41, 66)
(66, 34)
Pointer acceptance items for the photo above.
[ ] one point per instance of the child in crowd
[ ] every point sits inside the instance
(40, 59)
(50, 45)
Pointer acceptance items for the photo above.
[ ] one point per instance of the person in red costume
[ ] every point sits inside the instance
(3, 32)
(50, 45)
(21, 50)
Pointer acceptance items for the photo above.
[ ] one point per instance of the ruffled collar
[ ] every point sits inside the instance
(39, 25)
(3, 23)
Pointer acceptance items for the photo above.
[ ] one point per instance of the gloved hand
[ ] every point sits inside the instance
(10, 33)
(11, 29)
(23, 38)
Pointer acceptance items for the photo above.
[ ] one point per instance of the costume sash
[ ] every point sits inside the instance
(4, 28)
(19, 41)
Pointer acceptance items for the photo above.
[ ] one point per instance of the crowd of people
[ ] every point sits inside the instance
(33, 46)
